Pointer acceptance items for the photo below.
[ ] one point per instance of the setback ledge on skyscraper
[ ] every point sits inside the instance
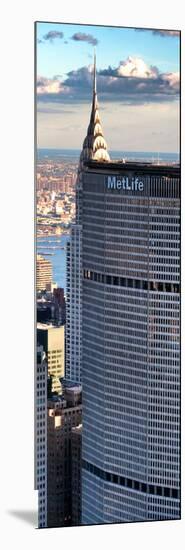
(158, 490)
(169, 170)
(138, 284)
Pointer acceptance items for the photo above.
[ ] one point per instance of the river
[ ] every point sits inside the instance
(58, 256)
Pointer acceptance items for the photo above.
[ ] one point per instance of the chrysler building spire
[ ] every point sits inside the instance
(94, 83)
(94, 145)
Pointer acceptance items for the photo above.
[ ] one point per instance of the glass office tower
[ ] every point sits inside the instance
(130, 342)
(129, 251)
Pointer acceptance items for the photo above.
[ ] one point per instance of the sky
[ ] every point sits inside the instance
(137, 86)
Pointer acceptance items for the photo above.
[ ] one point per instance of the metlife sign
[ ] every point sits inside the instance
(125, 183)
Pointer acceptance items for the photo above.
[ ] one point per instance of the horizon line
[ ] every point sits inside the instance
(113, 150)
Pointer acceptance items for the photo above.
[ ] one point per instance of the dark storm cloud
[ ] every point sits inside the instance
(146, 86)
(82, 37)
(52, 35)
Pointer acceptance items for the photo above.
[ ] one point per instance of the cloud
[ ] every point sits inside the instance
(53, 109)
(166, 33)
(132, 82)
(82, 37)
(172, 79)
(57, 76)
(132, 67)
(50, 86)
(52, 35)
(161, 32)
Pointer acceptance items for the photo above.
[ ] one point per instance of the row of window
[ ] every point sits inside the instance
(130, 283)
(130, 483)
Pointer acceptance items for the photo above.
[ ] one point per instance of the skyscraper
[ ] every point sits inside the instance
(43, 273)
(40, 446)
(52, 308)
(51, 337)
(130, 214)
(94, 147)
(64, 413)
(76, 474)
(74, 305)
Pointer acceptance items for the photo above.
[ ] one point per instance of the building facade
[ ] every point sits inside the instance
(130, 369)
(43, 273)
(51, 308)
(64, 414)
(130, 342)
(52, 338)
(76, 471)
(94, 147)
(74, 305)
(40, 429)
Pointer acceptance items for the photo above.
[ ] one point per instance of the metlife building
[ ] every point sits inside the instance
(130, 342)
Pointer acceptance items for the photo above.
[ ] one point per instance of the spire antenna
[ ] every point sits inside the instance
(94, 84)
(94, 145)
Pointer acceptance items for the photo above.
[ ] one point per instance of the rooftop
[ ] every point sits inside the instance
(46, 326)
(172, 169)
(77, 429)
(71, 385)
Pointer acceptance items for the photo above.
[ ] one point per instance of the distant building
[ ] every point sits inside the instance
(52, 308)
(44, 312)
(59, 306)
(40, 447)
(52, 339)
(76, 454)
(59, 295)
(43, 274)
(64, 413)
(64, 184)
(73, 305)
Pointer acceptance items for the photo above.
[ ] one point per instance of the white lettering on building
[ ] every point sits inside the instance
(126, 183)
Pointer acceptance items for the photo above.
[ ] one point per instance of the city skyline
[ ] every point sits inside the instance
(122, 340)
(137, 81)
